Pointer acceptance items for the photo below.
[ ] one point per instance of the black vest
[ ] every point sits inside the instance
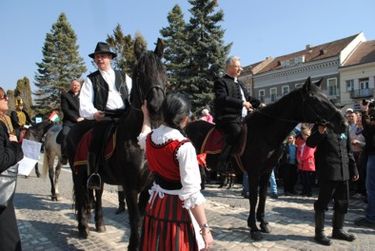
(100, 88)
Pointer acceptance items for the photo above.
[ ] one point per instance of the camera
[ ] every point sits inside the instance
(369, 102)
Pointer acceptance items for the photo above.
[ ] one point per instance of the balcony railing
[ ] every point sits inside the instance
(362, 93)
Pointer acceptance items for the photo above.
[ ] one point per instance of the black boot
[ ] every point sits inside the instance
(338, 231)
(94, 180)
(320, 237)
(64, 156)
(121, 202)
(222, 164)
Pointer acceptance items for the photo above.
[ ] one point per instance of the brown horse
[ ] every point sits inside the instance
(266, 130)
(126, 166)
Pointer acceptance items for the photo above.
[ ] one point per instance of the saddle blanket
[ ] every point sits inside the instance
(83, 148)
(214, 142)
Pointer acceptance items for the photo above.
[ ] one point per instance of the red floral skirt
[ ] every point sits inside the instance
(167, 225)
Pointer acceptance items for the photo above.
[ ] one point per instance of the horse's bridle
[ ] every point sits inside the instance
(319, 120)
(143, 96)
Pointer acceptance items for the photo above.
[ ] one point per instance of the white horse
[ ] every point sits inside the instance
(52, 150)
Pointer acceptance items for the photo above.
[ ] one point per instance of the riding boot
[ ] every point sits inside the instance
(64, 158)
(338, 231)
(121, 202)
(320, 237)
(94, 179)
(222, 164)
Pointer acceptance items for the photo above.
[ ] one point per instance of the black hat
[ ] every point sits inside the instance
(102, 48)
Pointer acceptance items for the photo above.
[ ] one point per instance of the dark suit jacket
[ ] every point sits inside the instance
(333, 157)
(228, 101)
(11, 152)
(70, 107)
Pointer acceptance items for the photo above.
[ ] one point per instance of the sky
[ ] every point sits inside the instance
(257, 28)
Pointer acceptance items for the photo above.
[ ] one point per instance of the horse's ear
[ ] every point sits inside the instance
(139, 48)
(319, 82)
(307, 85)
(159, 50)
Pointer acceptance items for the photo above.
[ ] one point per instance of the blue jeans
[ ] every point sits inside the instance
(370, 185)
(273, 185)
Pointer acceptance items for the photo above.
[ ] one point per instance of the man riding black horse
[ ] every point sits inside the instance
(232, 103)
(103, 97)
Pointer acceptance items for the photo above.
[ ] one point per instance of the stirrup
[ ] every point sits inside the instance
(94, 181)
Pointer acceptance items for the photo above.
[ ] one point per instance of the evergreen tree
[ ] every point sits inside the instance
(23, 91)
(11, 101)
(60, 64)
(175, 54)
(207, 51)
(122, 45)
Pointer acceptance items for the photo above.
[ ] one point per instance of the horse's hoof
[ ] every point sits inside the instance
(256, 235)
(265, 227)
(84, 233)
(101, 229)
(38, 175)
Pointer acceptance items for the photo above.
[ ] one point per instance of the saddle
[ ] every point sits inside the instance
(81, 155)
(214, 143)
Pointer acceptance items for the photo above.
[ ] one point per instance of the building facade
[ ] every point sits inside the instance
(333, 61)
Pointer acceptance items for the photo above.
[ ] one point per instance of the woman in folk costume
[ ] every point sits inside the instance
(175, 215)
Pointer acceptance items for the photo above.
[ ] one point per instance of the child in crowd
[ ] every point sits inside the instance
(288, 165)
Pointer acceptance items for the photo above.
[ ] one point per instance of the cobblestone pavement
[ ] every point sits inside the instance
(47, 225)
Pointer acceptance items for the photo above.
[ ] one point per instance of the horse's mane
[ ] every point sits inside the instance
(277, 109)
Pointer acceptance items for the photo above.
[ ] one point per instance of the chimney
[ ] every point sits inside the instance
(308, 46)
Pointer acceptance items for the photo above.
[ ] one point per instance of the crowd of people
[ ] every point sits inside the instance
(341, 165)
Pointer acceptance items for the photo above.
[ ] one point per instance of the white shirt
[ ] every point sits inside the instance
(188, 164)
(86, 98)
(244, 110)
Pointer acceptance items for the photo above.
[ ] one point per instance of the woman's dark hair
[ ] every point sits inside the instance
(176, 106)
(2, 92)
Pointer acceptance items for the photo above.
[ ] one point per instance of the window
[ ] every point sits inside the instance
(332, 86)
(363, 83)
(349, 85)
(284, 90)
(261, 94)
(273, 94)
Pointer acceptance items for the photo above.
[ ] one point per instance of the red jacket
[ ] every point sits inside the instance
(305, 156)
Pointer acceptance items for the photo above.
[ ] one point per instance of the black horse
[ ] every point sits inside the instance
(126, 166)
(266, 130)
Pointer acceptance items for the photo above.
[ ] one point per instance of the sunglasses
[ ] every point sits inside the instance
(5, 97)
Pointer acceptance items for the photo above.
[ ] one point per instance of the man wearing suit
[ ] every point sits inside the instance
(70, 109)
(232, 103)
(335, 165)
